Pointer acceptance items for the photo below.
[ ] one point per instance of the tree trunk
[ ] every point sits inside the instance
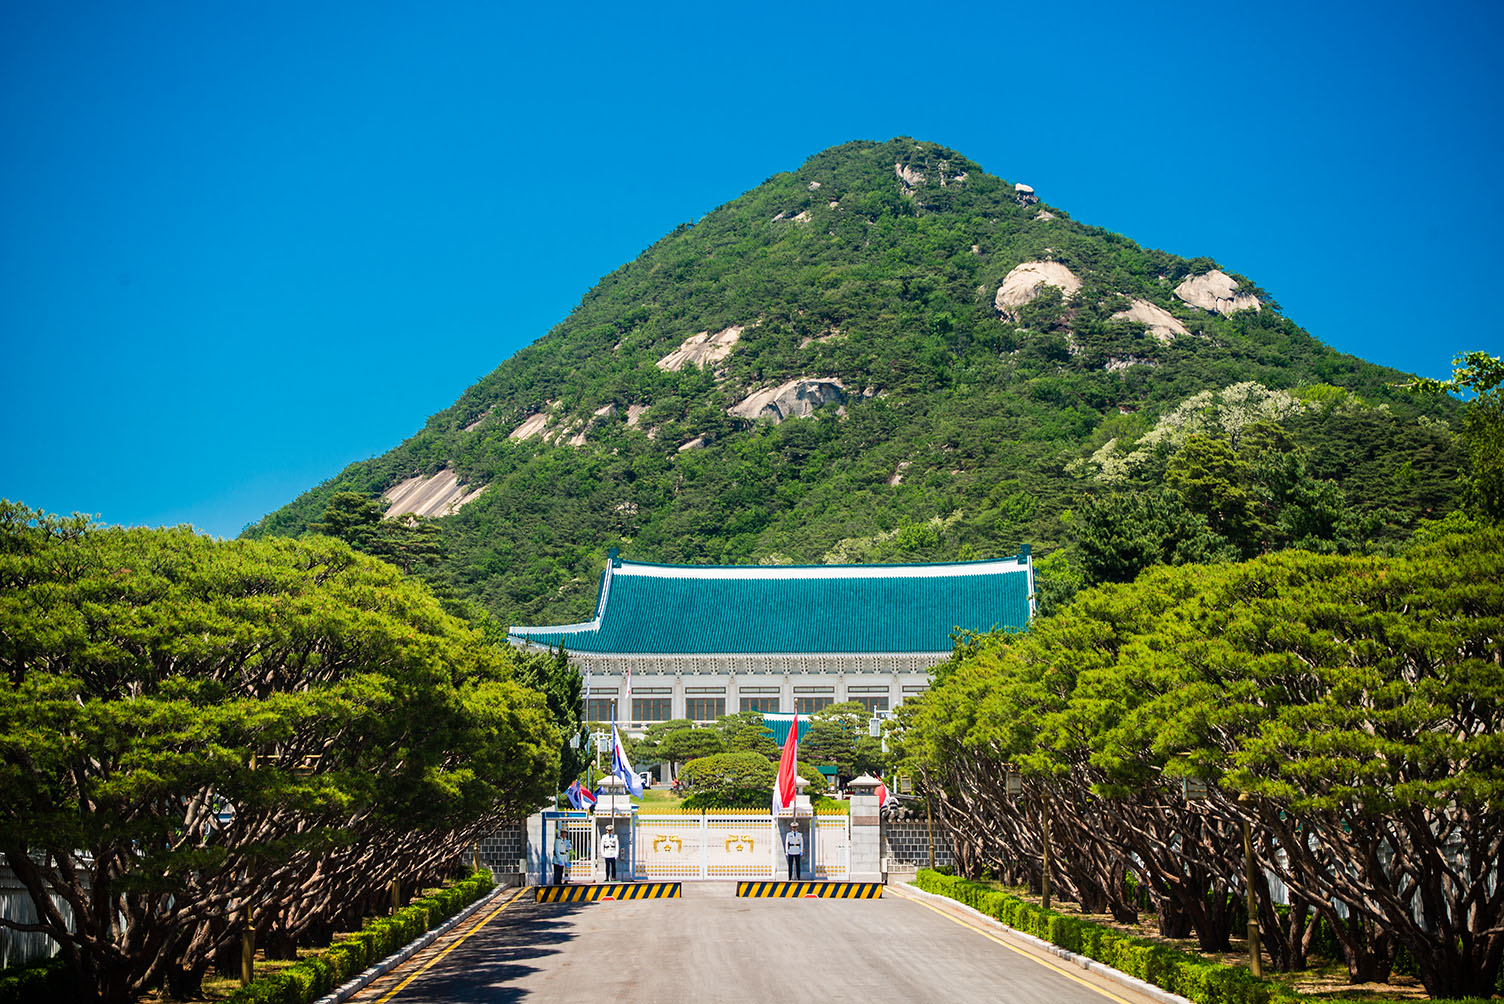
(1173, 922)
(186, 984)
(1369, 949)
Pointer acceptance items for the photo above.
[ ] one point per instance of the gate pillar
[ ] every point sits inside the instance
(866, 830)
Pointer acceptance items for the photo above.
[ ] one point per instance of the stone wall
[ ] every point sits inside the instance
(908, 842)
(501, 850)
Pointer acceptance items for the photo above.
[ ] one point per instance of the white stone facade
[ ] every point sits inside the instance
(882, 681)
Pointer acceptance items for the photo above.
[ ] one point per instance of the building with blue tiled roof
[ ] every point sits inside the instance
(698, 642)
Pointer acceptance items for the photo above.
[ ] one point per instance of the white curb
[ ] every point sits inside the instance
(407, 951)
(1039, 944)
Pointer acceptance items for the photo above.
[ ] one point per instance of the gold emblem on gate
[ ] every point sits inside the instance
(735, 843)
(668, 843)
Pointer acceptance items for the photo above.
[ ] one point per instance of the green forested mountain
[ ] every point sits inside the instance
(979, 370)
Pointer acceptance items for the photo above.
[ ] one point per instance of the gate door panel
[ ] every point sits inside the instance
(832, 847)
(668, 847)
(581, 834)
(740, 848)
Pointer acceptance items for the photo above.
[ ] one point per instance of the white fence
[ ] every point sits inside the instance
(731, 845)
(710, 846)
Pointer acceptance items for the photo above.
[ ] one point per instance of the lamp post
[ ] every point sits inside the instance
(1013, 786)
(1255, 961)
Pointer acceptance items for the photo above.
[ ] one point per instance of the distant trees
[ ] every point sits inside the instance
(728, 781)
(745, 732)
(198, 738)
(407, 541)
(1348, 708)
(837, 737)
(1482, 376)
(689, 744)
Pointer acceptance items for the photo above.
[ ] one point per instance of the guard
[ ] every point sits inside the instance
(561, 857)
(609, 850)
(793, 846)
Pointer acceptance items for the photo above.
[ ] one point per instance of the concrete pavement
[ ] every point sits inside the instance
(712, 946)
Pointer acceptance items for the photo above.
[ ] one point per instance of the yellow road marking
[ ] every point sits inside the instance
(1028, 955)
(399, 987)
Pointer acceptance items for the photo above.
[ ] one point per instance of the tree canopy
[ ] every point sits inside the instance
(1350, 708)
(200, 735)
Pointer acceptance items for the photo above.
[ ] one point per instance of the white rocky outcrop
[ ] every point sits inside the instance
(634, 414)
(1216, 290)
(702, 349)
(440, 494)
(910, 177)
(1162, 324)
(794, 399)
(1022, 284)
(1116, 364)
(535, 425)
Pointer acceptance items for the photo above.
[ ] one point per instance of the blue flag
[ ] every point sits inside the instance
(573, 793)
(622, 767)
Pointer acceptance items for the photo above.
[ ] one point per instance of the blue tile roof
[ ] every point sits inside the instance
(648, 609)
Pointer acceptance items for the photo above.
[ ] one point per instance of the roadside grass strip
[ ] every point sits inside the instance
(810, 890)
(609, 891)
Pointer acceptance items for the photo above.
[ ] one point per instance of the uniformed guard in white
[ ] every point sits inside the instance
(793, 847)
(609, 850)
(561, 857)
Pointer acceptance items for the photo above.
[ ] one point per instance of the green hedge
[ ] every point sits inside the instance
(44, 981)
(309, 979)
(1183, 973)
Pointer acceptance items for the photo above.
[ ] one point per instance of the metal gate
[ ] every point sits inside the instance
(729, 844)
(581, 834)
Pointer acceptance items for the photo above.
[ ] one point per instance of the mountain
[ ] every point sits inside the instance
(891, 355)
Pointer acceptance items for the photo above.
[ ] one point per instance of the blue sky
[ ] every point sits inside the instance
(243, 245)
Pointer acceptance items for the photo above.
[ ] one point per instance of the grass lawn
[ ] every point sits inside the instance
(657, 798)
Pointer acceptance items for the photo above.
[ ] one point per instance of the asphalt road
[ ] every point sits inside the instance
(711, 946)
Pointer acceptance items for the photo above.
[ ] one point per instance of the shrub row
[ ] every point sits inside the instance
(1191, 976)
(34, 984)
(309, 979)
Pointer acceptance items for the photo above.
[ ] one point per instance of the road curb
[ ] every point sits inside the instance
(1117, 976)
(407, 951)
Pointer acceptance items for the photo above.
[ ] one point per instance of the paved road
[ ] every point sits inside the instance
(711, 946)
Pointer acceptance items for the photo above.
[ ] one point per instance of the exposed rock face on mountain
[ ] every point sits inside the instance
(441, 494)
(794, 399)
(534, 425)
(1162, 324)
(703, 349)
(1216, 290)
(862, 360)
(1022, 285)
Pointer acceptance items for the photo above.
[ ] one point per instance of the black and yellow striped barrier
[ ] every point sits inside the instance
(821, 890)
(609, 891)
